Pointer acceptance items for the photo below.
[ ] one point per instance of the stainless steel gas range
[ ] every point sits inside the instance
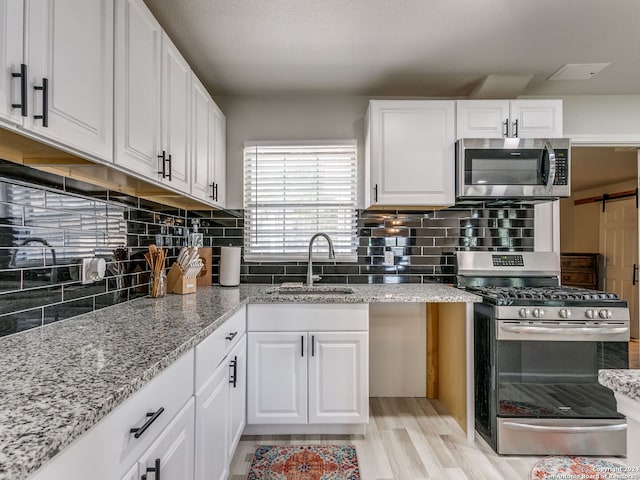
(538, 348)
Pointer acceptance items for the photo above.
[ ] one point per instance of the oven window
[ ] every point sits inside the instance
(504, 171)
(557, 379)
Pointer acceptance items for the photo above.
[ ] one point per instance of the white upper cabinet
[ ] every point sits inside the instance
(67, 89)
(208, 152)
(13, 88)
(410, 153)
(176, 100)
(137, 88)
(509, 118)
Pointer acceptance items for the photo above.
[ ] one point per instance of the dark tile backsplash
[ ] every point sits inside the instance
(49, 223)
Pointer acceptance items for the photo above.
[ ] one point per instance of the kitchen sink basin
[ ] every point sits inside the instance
(313, 290)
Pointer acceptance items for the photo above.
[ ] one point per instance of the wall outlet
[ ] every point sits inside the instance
(388, 258)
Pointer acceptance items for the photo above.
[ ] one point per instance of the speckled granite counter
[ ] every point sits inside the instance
(59, 381)
(626, 382)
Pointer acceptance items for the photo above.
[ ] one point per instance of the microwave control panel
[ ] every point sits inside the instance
(562, 168)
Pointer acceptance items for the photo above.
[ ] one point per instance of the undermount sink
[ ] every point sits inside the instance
(313, 290)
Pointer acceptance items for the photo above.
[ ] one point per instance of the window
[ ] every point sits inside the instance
(293, 190)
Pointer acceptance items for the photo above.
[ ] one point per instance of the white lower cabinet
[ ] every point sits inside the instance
(220, 415)
(132, 474)
(171, 455)
(315, 375)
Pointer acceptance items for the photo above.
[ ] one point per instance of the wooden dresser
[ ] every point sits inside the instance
(581, 270)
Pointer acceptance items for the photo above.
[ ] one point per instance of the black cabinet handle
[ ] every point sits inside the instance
(515, 128)
(170, 162)
(375, 191)
(233, 377)
(634, 279)
(215, 190)
(155, 469)
(153, 416)
(163, 161)
(23, 90)
(45, 102)
(302, 344)
(313, 345)
(505, 133)
(231, 336)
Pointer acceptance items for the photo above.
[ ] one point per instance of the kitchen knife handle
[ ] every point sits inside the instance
(153, 416)
(45, 102)
(23, 90)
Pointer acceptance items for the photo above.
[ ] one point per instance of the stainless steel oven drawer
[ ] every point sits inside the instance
(535, 436)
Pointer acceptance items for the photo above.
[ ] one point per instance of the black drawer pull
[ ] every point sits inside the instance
(155, 469)
(23, 90)
(153, 416)
(233, 377)
(313, 345)
(45, 102)
(231, 336)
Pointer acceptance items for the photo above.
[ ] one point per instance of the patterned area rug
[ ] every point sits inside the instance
(550, 468)
(304, 462)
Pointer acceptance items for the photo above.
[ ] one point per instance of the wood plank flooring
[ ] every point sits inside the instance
(634, 354)
(407, 439)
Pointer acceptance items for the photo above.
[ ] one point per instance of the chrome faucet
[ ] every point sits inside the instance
(332, 254)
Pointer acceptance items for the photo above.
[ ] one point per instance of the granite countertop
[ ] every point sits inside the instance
(622, 381)
(60, 380)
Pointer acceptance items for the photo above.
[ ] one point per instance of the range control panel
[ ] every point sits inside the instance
(507, 260)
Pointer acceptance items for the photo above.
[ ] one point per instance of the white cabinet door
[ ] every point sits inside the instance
(137, 88)
(173, 451)
(237, 361)
(212, 426)
(411, 152)
(536, 118)
(338, 380)
(482, 118)
(70, 63)
(201, 142)
(219, 156)
(176, 121)
(277, 373)
(132, 474)
(12, 24)
(509, 118)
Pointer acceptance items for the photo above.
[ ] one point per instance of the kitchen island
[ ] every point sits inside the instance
(61, 380)
(626, 388)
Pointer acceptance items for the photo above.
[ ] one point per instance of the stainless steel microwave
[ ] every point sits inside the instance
(513, 168)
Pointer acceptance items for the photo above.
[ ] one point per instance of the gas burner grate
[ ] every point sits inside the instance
(543, 293)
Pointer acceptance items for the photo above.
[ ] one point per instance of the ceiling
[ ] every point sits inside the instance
(593, 167)
(405, 47)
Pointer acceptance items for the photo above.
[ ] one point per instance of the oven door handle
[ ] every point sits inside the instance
(578, 429)
(551, 169)
(564, 330)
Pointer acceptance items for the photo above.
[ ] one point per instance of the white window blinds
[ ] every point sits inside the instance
(292, 191)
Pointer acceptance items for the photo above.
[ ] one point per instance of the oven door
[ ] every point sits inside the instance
(548, 399)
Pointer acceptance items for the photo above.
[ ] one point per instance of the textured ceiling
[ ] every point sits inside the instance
(404, 47)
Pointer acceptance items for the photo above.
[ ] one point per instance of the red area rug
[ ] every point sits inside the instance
(571, 467)
(304, 462)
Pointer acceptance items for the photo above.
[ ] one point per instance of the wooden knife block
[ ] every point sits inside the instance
(177, 283)
(204, 277)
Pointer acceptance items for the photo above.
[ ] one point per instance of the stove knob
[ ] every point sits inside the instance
(524, 312)
(538, 312)
(564, 313)
(604, 314)
(590, 313)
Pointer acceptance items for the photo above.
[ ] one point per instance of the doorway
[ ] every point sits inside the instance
(585, 228)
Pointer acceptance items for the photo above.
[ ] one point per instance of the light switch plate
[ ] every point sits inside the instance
(388, 258)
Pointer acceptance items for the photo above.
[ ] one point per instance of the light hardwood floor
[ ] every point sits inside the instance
(634, 354)
(407, 439)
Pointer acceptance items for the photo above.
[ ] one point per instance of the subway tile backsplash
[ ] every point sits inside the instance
(49, 223)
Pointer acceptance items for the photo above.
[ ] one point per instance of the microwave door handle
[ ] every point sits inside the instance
(551, 169)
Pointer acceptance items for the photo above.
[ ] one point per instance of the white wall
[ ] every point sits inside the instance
(290, 117)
